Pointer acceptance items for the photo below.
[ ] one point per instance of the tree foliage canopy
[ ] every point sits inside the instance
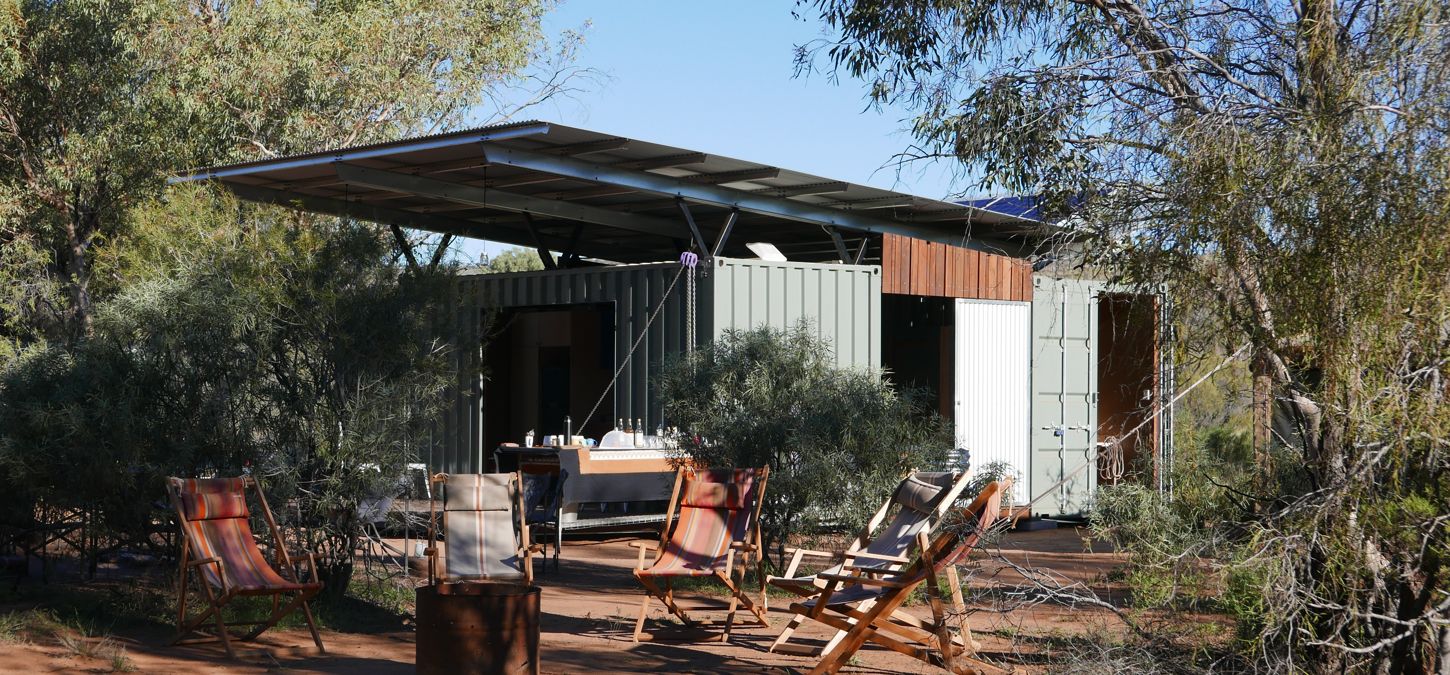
(1288, 160)
(100, 100)
(148, 331)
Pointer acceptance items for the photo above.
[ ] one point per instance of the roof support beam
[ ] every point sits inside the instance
(724, 233)
(413, 219)
(662, 162)
(704, 194)
(861, 252)
(404, 245)
(733, 176)
(590, 146)
(695, 230)
(571, 254)
(803, 190)
(544, 255)
(507, 201)
(841, 251)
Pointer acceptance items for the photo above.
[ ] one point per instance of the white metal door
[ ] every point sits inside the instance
(993, 391)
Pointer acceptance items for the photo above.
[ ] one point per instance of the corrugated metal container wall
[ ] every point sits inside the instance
(842, 302)
(993, 389)
(634, 291)
(1065, 386)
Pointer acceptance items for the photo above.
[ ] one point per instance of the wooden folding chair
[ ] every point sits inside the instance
(842, 603)
(920, 501)
(718, 517)
(483, 529)
(217, 540)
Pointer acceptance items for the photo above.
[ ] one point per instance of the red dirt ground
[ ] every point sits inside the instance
(588, 614)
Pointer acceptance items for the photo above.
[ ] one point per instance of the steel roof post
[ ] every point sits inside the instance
(695, 230)
(724, 233)
(841, 249)
(544, 255)
(861, 252)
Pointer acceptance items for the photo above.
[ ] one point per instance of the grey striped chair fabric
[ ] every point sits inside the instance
(479, 527)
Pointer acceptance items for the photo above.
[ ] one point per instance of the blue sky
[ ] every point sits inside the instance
(719, 77)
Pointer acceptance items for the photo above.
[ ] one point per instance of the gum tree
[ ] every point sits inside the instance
(1287, 160)
(100, 100)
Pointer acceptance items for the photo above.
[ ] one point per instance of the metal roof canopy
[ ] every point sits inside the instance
(585, 193)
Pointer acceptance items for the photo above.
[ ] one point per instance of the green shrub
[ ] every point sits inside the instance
(837, 440)
(303, 352)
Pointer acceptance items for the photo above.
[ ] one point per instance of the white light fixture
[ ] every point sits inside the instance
(766, 251)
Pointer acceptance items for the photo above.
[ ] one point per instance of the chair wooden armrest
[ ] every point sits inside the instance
(864, 581)
(643, 546)
(221, 568)
(796, 556)
(878, 556)
(743, 546)
(813, 552)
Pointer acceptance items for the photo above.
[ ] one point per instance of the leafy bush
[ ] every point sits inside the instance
(837, 440)
(303, 353)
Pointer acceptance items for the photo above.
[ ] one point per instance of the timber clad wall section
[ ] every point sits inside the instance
(917, 267)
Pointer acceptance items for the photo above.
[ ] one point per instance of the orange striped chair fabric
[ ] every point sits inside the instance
(716, 508)
(217, 527)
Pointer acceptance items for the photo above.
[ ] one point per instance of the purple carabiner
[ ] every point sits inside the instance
(689, 259)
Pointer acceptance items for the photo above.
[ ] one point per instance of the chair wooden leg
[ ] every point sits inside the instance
(734, 603)
(643, 610)
(964, 629)
(181, 594)
(784, 637)
(834, 659)
(841, 634)
(312, 626)
(221, 626)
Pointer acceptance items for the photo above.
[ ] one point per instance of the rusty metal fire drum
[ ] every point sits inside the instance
(478, 628)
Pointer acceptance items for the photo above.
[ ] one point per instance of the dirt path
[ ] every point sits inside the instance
(587, 623)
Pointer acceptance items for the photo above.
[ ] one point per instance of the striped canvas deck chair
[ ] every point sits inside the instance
(843, 603)
(483, 529)
(917, 505)
(718, 517)
(217, 544)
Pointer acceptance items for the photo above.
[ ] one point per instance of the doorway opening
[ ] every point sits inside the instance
(1127, 388)
(917, 346)
(545, 363)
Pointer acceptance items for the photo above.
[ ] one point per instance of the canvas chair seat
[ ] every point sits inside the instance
(718, 517)
(712, 515)
(484, 534)
(247, 569)
(919, 501)
(867, 608)
(219, 546)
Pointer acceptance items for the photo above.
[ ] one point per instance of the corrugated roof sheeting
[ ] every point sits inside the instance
(483, 182)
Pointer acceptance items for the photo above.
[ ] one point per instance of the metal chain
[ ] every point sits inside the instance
(690, 312)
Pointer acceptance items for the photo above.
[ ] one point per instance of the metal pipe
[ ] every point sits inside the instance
(317, 159)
